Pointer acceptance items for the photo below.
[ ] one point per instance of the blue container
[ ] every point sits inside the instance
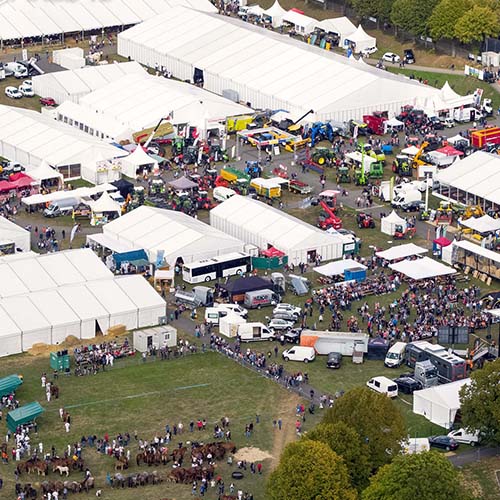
(387, 149)
(357, 274)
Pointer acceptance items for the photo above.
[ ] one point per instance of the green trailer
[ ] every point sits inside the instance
(23, 415)
(9, 384)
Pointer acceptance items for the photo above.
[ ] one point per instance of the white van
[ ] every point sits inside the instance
(250, 332)
(396, 355)
(464, 436)
(61, 207)
(213, 315)
(222, 193)
(383, 385)
(299, 353)
(233, 308)
(406, 197)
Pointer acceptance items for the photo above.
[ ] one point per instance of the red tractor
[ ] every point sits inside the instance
(401, 234)
(328, 219)
(365, 221)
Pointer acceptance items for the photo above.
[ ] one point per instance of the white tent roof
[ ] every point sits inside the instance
(452, 99)
(105, 204)
(175, 233)
(401, 252)
(256, 10)
(299, 20)
(478, 250)
(111, 296)
(44, 172)
(24, 18)
(139, 291)
(484, 224)
(276, 10)
(139, 157)
(340, 25)
(393, 122)
(55, 309)
(138, 101)
(361, 39)
(477, 174)
(457, 138)
(10, 231)
(393, 218)
(440, 403)
(30, 137)
(70, 85)
(264, 77)
(339, 267)
(410, 150)
(423, 268)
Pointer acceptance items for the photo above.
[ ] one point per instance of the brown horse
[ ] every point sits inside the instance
(54, 391)
(121, 463)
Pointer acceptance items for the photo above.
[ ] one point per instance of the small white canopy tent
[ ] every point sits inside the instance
(456, 139)
(388, 224)
(45, 172)
(339, 267)
(11, 232)
(105, 204)
(255, 10)
(342, 26)
(401, 252)
(484, 224)
(136, 160)
(419, 269)
(439, 404)
(392, 123)
(276, 13)
(358, 157)
(410, 150)
(361, 40)
(454, 100)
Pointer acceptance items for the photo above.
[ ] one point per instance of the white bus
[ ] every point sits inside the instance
(217, 267)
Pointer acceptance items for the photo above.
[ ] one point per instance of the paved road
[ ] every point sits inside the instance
(473, 455)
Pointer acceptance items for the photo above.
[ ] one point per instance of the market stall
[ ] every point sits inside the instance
(393, 221)
(401, 252)
(422, 268)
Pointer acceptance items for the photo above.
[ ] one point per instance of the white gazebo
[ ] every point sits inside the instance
(139, 159)
(388, 224)
(392, 123)
(361, 40)
(276, 13)
(45, 172)
(104, 205)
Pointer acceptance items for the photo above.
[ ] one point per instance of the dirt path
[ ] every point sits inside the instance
(287, 433)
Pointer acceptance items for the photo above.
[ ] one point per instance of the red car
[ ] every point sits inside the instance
(47, 101)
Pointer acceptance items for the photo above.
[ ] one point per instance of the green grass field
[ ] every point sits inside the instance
(145, 397)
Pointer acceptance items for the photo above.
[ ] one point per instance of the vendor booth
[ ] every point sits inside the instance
(23, 415)
(438, 244)
(48, 178)
(275, 13)
(400, 252)
(422, 268)
(138, 259)
(360, 40)
(236, 289)
(391, 223)
(138, 162)
(351, 269)
(104, 209)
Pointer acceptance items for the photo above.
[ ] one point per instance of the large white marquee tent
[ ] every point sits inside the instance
(28, 137)
(259, 224)
(37, 18)
(170, 233)
(138, 101)
(473, 180)
(10, 232)
(71, 85)
(439, 404)
(266, 69)
(45, 298)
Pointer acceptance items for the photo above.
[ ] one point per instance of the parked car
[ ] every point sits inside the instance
(292, 336)
(26, 90)
(413, 206)
(407, 385)
(334, 360)
(21, 72)
(436, 123)
(444, 442)
(287, 316)
(391, 57)
(287, 308)
(368, 51)
(409, 56)
(464, 436)
(47, 101)
(28, 83)
(277, 324)
(13, 93)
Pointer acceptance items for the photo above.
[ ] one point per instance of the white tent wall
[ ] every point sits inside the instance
(9, 231)
(10, 335)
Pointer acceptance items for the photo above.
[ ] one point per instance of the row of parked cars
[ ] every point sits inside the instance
(24, 90)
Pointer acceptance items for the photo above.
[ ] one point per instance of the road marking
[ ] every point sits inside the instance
(134, 396)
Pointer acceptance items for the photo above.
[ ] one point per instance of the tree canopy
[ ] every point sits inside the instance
(310, 470)
(480, 402)
(347, 443)
(445, 16)
(428, 475)
(477, 23)
(376, 419)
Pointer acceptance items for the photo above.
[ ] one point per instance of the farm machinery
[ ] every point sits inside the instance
(402, 234)
(365, 221)
(327, 219)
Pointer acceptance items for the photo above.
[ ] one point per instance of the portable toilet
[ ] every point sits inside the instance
(60, 361)
(356, 273)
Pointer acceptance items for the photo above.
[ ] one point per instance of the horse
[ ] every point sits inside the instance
(54, 391)
(87, 484)
(62, 470)
(121, 464)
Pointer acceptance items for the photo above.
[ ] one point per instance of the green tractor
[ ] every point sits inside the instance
(322, 156)
(402, 166)
(376, 172)
(376, 154)
(343, 175)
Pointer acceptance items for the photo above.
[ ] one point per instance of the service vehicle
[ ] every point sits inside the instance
(235, 263)
(299, 353)
(334, 360)
(465, 437)
(251, 332)
(383, 385)
(395, 355)
(391, 57)
(13, 93)
(61, 207)
(260, 298)
(278, 324)
(290, 308)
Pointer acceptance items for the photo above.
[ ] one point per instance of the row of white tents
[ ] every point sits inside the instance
(46, 298)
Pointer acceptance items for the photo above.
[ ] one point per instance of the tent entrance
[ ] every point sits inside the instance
(198, 78)
(311, 256)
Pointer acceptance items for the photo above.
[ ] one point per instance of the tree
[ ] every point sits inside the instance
(347, 443)
(427, 475)
(476, 24)
(412, 15)
(310, 470)
(376, 419)
(381, 9)
(480, 402)
(444, 17)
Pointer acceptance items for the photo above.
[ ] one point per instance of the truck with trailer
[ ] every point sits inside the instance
(450, 367)
(344, 343)
(480, 138)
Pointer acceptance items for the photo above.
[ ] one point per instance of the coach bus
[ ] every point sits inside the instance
(217, 267)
